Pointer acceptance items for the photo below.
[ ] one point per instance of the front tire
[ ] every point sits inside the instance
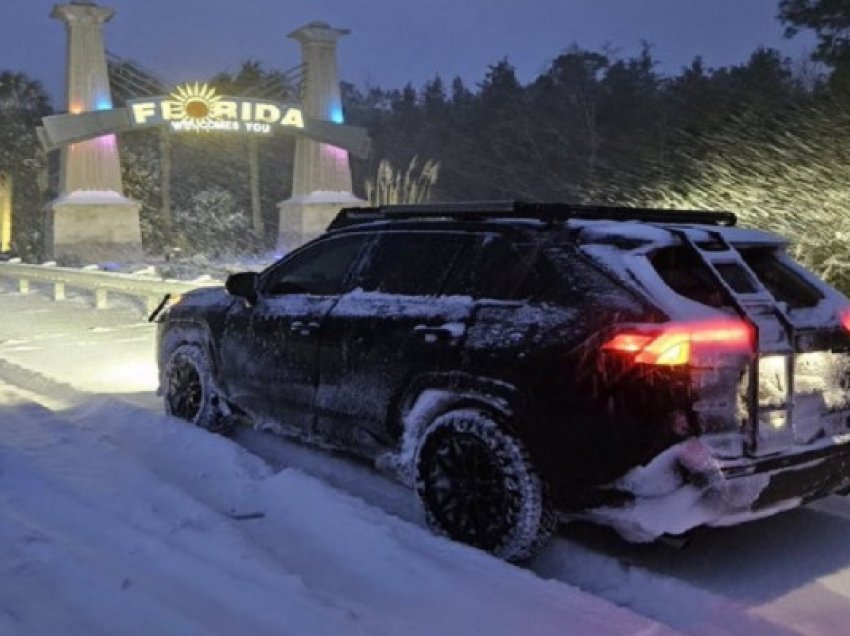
(477, 485)
(189, 391)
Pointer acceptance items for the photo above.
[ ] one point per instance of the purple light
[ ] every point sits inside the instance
(106, 142)
(339, 155)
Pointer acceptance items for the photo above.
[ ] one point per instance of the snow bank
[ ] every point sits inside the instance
(114, 520)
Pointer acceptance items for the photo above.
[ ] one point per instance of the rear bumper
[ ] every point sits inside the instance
(686, 486)
(806, 474)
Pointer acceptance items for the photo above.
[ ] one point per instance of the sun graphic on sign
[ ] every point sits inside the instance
(195, 101)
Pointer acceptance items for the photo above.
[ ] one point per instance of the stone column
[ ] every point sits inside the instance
(91, 220)
(321, 182)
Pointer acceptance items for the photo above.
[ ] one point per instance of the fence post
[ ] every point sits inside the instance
(101, 298)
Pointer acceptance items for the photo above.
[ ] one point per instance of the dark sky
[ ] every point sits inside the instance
(395, 41)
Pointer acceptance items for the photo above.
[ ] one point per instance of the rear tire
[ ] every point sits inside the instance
(189, 391)
(477, 485)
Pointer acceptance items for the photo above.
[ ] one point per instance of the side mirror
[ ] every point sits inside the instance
(243, 285)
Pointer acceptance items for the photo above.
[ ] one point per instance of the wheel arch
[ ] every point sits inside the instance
(528, 515)
(184, 332)
(430, 395)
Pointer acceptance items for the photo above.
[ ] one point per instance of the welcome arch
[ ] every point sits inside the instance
(92, 219)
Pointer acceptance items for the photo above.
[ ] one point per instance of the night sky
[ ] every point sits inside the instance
(396, 41)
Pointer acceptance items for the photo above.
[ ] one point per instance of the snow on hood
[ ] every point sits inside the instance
(205, 297)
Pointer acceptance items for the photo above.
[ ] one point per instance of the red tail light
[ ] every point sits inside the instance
(674, 343)
(844, 318)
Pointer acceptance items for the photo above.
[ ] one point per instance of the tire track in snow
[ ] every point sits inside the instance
(593, 569)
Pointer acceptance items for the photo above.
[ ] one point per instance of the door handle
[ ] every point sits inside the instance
(448, 332)
(304, 329)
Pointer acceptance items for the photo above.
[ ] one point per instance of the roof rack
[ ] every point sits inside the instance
(549, 212)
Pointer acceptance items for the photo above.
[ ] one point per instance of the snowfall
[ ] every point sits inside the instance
(115, 519)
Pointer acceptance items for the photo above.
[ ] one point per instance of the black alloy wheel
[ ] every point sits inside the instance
(477, 484)
(466, 491)
(185, 391)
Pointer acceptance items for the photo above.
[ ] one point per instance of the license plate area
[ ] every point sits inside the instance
(816, 406)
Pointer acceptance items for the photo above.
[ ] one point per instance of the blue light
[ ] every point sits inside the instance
(103, 103)
(336, 115)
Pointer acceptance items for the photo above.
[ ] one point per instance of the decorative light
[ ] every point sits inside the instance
(194, 102)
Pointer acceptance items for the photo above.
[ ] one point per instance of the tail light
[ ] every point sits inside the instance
(844, 318)
(673, 344)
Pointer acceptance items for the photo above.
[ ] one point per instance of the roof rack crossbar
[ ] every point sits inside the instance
(550, 212)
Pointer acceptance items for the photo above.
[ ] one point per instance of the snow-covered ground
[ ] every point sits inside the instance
(116, 519)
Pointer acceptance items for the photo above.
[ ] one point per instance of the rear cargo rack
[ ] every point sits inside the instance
(755, 307)
(547, 212)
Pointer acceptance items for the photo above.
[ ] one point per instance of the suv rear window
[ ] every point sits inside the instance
(781, 281)
(686, 274)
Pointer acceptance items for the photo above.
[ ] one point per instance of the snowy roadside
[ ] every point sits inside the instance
(785, 575)
(116, 519)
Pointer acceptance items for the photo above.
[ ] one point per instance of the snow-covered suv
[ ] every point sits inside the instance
(519, 364)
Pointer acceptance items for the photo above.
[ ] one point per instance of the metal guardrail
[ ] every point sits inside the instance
(150, 290)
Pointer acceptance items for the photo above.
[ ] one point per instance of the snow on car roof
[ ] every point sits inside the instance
(604, 231)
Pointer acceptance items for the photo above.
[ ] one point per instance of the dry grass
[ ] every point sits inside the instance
(393, 186)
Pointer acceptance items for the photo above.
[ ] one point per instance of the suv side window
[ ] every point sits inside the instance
(494, 268)
(410, 263)
(320, 269)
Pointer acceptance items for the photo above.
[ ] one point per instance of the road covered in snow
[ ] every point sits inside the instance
(114, 520)
(117, 519)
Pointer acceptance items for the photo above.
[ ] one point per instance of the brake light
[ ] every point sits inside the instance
(674, 344)
(844, 317)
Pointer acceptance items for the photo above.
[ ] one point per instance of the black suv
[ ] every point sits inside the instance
(519, 364)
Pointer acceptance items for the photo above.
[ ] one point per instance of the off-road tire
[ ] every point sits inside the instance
(477, 485)
(188, 389)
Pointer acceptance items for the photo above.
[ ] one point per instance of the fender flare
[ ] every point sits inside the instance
(430, 395)
(179, 332)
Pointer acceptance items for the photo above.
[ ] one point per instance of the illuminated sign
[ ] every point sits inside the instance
(197, 107)
(5, 212)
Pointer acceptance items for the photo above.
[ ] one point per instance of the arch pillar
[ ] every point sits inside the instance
(321, 182)
(91, 220)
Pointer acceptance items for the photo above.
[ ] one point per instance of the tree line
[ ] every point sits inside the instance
(766, 138)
